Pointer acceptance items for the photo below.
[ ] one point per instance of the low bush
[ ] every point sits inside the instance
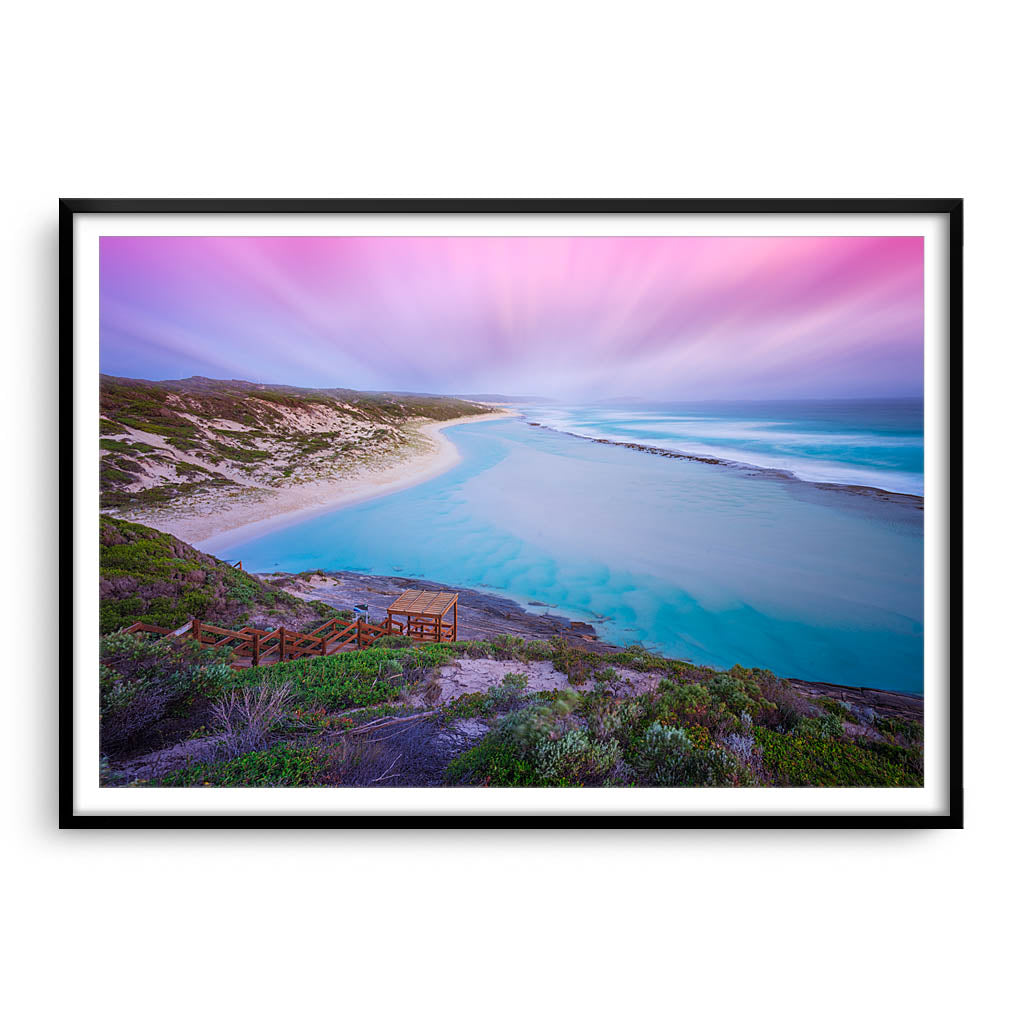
(604, 677)
(504, 697)
(900, 729)
(280, 765)
(492, 762)
(248, 716)
(678, 703)
(538, 745)
(575, 662)
(144, 682)
(395, 642)
(782, 708)
(667, 757)
(803, 760)
(736, 696)
(826, 727)
(575, 758)
(840, 708)
(622, 720)
(352, 679)
(642, 660)
(719, 705)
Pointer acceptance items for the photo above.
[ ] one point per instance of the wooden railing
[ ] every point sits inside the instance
(259, 645)
(145, 627)
(430, 630)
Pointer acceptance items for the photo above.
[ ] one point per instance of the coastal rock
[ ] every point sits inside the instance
(481, 616)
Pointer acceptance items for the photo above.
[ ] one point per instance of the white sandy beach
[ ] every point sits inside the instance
(263, 509)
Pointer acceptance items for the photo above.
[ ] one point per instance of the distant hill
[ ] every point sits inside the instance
(164, 441)
(499, 399)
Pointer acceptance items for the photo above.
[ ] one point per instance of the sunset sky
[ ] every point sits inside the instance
(578, 318)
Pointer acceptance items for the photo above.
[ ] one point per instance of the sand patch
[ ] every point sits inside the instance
(478, 675)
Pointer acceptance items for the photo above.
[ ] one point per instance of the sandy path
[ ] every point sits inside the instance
(261, 510)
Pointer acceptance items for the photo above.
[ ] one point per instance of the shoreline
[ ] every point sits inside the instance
(484, 614)
(269, 510)
(751, 469)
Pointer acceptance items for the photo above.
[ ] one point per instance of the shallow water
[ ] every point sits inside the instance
(709, 563)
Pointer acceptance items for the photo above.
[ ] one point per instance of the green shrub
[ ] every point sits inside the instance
(506, 694)
(574, 758)
(898, 728)
(466, 705)
(801, 760)
(528, 727)
(508, 646)
(735, 696)
(494, 761)
(827, 727)
(352, 679)
(394, 642)
(575, 662)
(678, 702)
(537, 745)
(667, 757)
(841, 709)
(781, 707)
(280, 765)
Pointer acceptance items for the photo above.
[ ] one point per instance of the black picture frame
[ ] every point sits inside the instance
(950, 208)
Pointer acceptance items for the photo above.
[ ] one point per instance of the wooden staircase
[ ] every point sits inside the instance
(251, 647)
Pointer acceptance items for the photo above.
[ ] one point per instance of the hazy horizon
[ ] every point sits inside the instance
(568, 319)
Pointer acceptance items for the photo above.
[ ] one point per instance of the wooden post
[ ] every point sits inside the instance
(256, 641)
(455, 621)
(197, 631)
(323, 646)
(283, 642)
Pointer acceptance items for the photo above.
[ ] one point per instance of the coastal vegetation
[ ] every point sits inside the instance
(149, 576)
(333, 717)
(175, 714)
(169, 443)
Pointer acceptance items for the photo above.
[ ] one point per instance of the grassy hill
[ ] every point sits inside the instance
(149, 576)
(161, 441)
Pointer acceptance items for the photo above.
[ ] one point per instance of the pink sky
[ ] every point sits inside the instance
(577, 317)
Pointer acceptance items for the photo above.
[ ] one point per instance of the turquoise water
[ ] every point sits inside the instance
(714, 564)
(872, 443)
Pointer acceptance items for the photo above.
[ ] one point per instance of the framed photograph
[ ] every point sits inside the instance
(511, 513)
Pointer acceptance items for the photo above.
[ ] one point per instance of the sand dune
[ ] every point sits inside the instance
(261, 509)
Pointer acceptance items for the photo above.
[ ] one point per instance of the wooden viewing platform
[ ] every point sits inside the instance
(424, 612)
(252, 647)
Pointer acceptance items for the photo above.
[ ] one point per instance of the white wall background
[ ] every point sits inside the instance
(525, 99)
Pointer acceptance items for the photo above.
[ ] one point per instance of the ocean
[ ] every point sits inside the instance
(873, 443)
(750, 563)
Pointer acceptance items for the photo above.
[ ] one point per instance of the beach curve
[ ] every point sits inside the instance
(264, 510)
